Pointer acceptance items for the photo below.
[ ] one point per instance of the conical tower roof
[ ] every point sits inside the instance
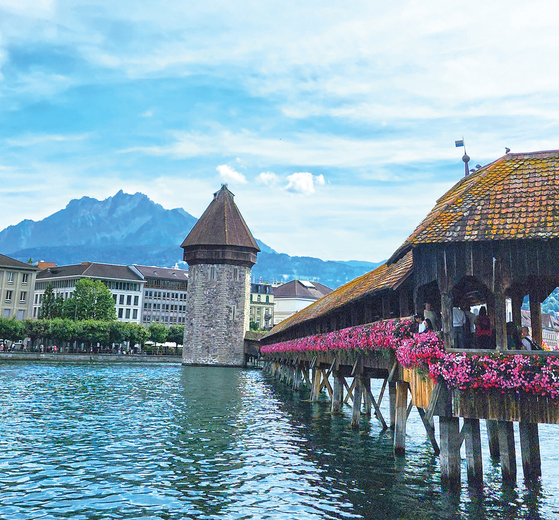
(220, 228)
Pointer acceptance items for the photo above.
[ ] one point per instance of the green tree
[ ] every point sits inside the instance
(35, 330)
(51, 306)
(176, 334)
(91, 300)
(158, 333)
(11, 329)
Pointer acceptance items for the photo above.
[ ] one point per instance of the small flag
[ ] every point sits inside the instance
(459, 143)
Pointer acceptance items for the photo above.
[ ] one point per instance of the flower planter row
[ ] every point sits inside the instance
(535, 375)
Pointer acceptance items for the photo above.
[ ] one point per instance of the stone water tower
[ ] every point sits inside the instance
(220, 251)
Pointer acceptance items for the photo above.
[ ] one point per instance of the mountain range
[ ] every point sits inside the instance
(132, 229)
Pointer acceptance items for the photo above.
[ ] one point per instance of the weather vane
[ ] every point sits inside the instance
(465, 157)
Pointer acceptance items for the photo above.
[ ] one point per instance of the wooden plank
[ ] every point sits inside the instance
(435, 394)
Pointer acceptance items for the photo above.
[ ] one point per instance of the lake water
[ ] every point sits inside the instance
(169, 442)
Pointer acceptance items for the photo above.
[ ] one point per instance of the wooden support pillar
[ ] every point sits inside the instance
(493, 438)
(401, 417)
(392, 403)
(316, 384)
(297, 379)
(403, 302)
(430, 429)
(536, 315)
(385, 302)
(446, 314)
(367, 403)
(357, 395)
(500, 316)
(450, 451)
(508, 451)
(472, 438)
(530, 448)
(517, 297)
(338, 394)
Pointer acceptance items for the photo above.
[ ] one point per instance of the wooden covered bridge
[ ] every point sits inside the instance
(494, 236)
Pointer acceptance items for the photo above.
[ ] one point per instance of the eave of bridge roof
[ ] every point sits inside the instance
(382, 278)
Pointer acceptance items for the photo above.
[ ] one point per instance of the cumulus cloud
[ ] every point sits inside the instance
(228, 174)
(267, 178)
(303, 183)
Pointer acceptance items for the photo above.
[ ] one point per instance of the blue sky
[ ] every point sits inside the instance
(332, 122)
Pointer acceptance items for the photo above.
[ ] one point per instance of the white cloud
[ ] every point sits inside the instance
(267, 179)
(31, 140)
(147, 113)
(230, 175)
(303, 183)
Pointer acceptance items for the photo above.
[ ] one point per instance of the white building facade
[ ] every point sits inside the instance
(125, 283)
(17, 280)
(164, 294)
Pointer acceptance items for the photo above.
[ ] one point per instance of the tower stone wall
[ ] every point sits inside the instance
(217, 318)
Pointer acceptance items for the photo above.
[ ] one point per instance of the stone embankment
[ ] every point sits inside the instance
(79, 358)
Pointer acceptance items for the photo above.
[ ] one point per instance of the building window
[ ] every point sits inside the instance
(115, 298)
(22, 296)
(120, 312)
(35, 309)
(129, 300)
(267, 299)
(9, 296)
(121, 299)
(213, 273)
(20, 315)
(10, 277)
(127, 313)
(6, 313)
(25, 278)
(135, 314)
(136, 300)
(258, 298)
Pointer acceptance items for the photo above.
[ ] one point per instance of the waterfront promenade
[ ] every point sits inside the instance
(86, 358)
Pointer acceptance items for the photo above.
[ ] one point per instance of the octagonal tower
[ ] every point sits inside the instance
(220, 251)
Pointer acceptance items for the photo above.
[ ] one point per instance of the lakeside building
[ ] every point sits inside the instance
(262, 305)
(164, 295)
(17, 280)
(125, 283)
(291, 297)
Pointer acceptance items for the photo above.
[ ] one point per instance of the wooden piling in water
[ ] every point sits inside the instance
(338, 393)
(357, 396)
(493, 438)
(401, 417)
(450, 451)
(392, 403)
(472, 439)
(530, 449)
(507, 450)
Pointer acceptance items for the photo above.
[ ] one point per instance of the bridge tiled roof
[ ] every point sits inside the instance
(386, 276)
(514, 198)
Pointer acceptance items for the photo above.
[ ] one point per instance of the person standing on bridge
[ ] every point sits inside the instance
(458, 322)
